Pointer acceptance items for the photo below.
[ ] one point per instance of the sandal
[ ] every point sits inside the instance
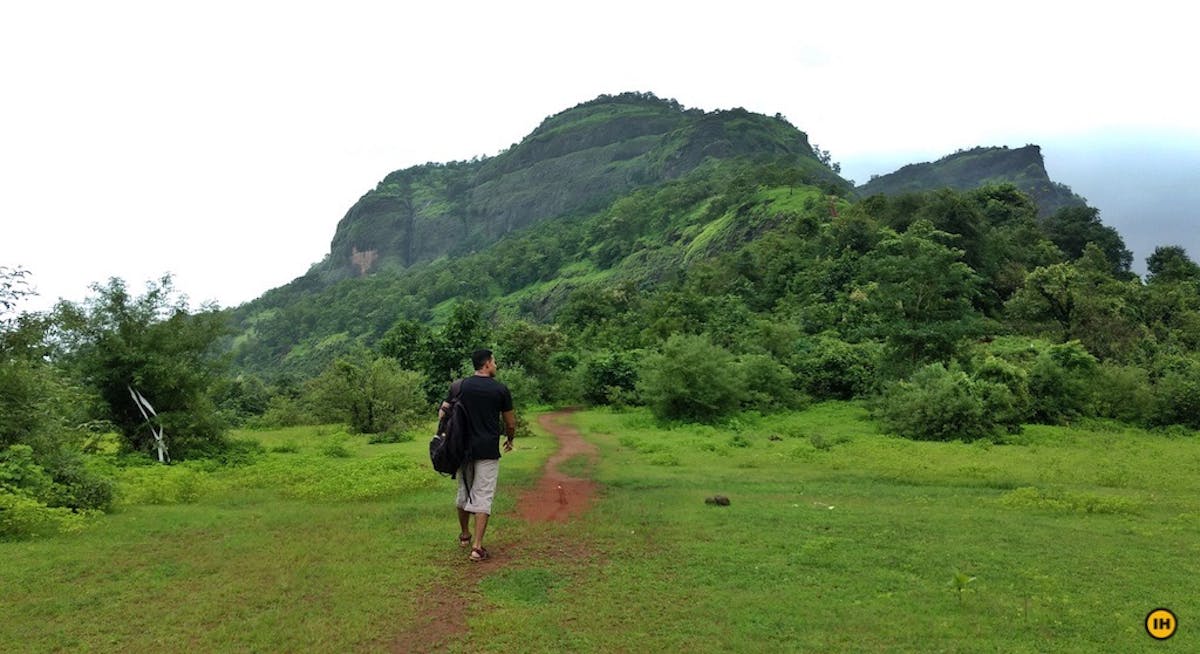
(464, 540)
(479, 554)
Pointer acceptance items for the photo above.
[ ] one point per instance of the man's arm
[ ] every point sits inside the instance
(510, 428)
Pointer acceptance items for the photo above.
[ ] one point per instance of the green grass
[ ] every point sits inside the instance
(300, 551)
(842, 539)
(837, 538)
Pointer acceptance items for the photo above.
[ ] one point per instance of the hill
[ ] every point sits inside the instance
(1023, 167)
(625, 220)
(575, 162)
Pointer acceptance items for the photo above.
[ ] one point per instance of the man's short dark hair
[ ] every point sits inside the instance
(480, 357)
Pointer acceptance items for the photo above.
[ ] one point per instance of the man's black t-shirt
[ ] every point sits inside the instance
(485, 399)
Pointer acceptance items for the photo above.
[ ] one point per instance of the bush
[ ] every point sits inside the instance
(1018, 405)
(943, 404)
(159, 484)
(1059, 383)
(282, 411)
(22, 516)
(19, 473)
(393, 436)
(524, 388)
(768, 383)
(77, 487)
(830, 368)
(371, 395)
(1123, 393)
(608, 378)
(691, 379)
(336, 450)
(1178, 396)
(240, 452)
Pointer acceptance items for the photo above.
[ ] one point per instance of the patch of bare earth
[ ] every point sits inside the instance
(557, 497)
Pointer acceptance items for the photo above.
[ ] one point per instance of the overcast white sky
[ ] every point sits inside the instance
(222, 141)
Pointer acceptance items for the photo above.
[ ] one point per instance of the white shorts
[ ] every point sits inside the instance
(481, 476)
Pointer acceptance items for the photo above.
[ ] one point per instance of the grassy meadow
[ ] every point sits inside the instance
(837, 538)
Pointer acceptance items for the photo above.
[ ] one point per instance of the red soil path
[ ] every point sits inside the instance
(556, 497)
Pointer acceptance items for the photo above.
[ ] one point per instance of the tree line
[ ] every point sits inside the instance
(953, 314)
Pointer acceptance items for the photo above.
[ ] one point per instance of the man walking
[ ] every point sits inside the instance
(486, 401)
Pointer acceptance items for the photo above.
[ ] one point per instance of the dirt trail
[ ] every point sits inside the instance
(556, 497)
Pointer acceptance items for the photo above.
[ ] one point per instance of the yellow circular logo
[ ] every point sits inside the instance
(1161, 624)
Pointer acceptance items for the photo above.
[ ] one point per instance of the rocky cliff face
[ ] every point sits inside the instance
(574, 162)
(1023, 167)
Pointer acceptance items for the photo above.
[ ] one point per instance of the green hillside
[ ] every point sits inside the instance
(576, 161)
(725, 225)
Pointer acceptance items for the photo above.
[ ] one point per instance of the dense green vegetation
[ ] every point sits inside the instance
(804, 293)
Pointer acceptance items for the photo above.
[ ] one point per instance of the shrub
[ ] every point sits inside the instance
(371, 395)
(20, 473)
(525, 389)
(1123, 393)
(608, 378)
(393, 436)
(830, 368)
(1059, 383)
(943, 404)
(336, 450)
(768, 383)
(159, 484)
(282, 411)
(1178, 396)
(1017, 406)
(77, 487)
(22, 516)
(691, 379)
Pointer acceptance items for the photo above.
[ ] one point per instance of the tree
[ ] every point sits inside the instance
(40, 464)
(114, 342)
(1086, 303)
(408, 343)
(13, 287)
(1072, 228)
(371, 395)
(1172, 298)
(922, 293)
(691, 379)
(1170, 263)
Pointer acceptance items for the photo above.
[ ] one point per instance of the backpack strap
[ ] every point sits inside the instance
(455, 396)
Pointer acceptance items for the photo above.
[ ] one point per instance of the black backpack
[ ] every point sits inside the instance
(448, 448)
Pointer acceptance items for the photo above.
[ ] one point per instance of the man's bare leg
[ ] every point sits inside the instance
(481, 520)
(464, 522)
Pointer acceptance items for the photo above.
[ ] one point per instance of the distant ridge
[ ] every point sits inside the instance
(968, 169)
